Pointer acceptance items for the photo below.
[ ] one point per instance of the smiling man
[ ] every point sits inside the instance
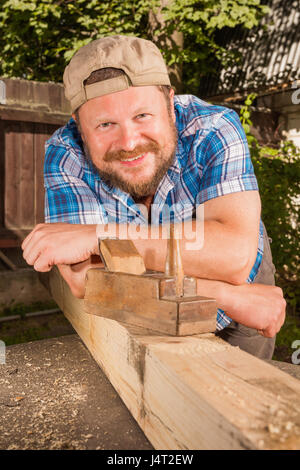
(130, 137)
(131, 141)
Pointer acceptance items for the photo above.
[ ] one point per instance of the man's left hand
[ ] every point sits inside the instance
(59, 243)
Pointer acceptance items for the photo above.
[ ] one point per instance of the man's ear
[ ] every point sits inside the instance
(75, 116)
(172, 93)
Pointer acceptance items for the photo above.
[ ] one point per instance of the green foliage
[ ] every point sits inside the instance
(278, 174)
(202, 23)
(38, 37)
(289, 333)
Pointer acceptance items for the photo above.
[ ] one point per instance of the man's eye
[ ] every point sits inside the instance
(142, 116)
(105, 125)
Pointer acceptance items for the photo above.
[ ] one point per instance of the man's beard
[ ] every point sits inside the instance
(163, 161)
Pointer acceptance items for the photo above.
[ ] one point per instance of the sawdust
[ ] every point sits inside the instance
(53, 416)
(49, 400)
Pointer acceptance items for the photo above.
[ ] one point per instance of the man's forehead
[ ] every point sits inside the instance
(132, 100)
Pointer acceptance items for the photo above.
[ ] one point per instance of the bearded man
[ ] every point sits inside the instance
(131, 141)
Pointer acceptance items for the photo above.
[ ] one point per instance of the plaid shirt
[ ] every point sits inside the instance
(212, 159)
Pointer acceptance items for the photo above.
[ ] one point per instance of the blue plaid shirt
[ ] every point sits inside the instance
(212, 159)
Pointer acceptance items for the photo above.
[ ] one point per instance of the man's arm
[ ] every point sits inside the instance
(231, 228)
(253, 305)
(228, 252)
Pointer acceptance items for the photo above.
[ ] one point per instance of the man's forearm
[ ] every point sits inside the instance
(213, 251)
(253, 305)
(227, 252)
(257, 306)
(224, 255)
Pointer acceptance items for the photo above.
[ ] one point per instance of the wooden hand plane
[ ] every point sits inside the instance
(166, 303)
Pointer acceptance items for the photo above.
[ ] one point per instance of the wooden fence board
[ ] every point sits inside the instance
(2, 172)
(29, 115)
(13, 150)
(32, 112)
(24, 161)
(27, 171)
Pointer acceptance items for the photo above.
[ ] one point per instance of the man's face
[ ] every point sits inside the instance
(131, 138)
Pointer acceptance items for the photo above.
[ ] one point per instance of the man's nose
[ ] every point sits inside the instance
(128, 138)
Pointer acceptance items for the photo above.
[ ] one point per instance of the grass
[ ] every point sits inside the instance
(21, 309)
(35, 328)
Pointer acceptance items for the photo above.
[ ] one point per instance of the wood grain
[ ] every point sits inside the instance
(137, 300)
(122, 256)
(190, 392)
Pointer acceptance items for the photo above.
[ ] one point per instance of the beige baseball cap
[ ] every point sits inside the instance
(140, 59)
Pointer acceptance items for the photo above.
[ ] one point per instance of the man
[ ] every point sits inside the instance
(132, 142)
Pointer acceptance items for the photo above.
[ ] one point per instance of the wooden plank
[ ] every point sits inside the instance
(9, 243)
(27, 172)
(54, 96)
(13, 91)
(13, 150)
(24, 185)
(40, 96)
(40, 137)
(122, 256)
(189, 392)
(2, 174)
(9, 239)
(26, 92)
(33, 115)
(19, 176)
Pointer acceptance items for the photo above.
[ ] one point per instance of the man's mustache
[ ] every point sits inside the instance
(138, 150)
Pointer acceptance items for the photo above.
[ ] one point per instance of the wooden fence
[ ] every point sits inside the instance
(29, 114)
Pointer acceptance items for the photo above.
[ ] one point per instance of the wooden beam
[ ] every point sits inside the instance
(9, 113)
(193, 392)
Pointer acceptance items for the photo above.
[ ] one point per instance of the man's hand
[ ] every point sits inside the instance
(263, 305)
(75, 274)
(59, 243)
(257, 306)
